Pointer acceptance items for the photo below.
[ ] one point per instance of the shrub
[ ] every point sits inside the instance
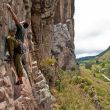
(79, 80)
(47, 62)
(86, 88)
(88, 65)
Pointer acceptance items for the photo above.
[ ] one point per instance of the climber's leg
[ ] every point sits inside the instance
(13, 43)
(18, 67)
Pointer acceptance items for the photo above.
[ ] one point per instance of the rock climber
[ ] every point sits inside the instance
(17, 40)
(15, 54)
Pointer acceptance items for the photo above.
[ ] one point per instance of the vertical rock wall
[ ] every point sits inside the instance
(12, 97)
(42, 26)
(24, 97)
(53, 31)
(63, 39)
(53, 34)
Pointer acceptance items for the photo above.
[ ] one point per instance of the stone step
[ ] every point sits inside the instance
(42, 94)
(39, 72)
(40, 85)
(39, 78)
(34, 69)
(34, 63)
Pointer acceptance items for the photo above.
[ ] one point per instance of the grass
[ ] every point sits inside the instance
(70, 96)
(102, 89)
(75, 93)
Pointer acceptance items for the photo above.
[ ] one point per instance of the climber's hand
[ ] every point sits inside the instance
(9, 7)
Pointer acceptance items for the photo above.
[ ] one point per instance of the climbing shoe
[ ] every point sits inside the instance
(19, 82)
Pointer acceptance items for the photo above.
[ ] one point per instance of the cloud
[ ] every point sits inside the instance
(96, 29)
(93, 44)
(94, 34)
(92, 26)
(87, 51)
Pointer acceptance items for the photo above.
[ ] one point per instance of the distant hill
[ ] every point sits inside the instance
(105, 55)
(83, 59)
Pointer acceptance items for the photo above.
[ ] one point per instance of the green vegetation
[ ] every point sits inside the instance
(48, 67)
(101, 87)
(84, 92)
(90, 91)
(70, 96)
(47, 62)
(99, 64)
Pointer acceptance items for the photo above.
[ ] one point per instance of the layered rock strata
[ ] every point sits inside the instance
(29, 96)
(53, 35)
(63, 39)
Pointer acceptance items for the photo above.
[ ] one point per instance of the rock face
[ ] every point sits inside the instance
(52, 25)
(24, 97)
(63, 39)
(29, 96)
(55, 19)
(40, 90)
(42, 26)
(63, 48)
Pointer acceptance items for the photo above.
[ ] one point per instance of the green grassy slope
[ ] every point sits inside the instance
(100, 64)
(90, 91)
(102, 89)
(75, 93)
(105, 55)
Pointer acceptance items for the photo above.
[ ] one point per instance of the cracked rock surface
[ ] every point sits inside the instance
(52, 25)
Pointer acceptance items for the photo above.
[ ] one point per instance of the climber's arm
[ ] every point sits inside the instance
(13, 14)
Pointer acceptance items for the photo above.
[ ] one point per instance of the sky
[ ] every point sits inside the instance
(92, 27)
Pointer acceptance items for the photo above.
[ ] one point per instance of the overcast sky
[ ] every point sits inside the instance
(92, 26)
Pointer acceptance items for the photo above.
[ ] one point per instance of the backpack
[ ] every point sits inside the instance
(19, 49)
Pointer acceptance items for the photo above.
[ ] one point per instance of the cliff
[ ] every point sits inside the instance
(52, 26)
(55, 19)
(63, 39)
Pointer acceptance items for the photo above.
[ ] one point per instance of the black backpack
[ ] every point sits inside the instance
(19, 49)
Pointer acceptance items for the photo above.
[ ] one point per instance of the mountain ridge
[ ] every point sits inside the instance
(99, 56)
